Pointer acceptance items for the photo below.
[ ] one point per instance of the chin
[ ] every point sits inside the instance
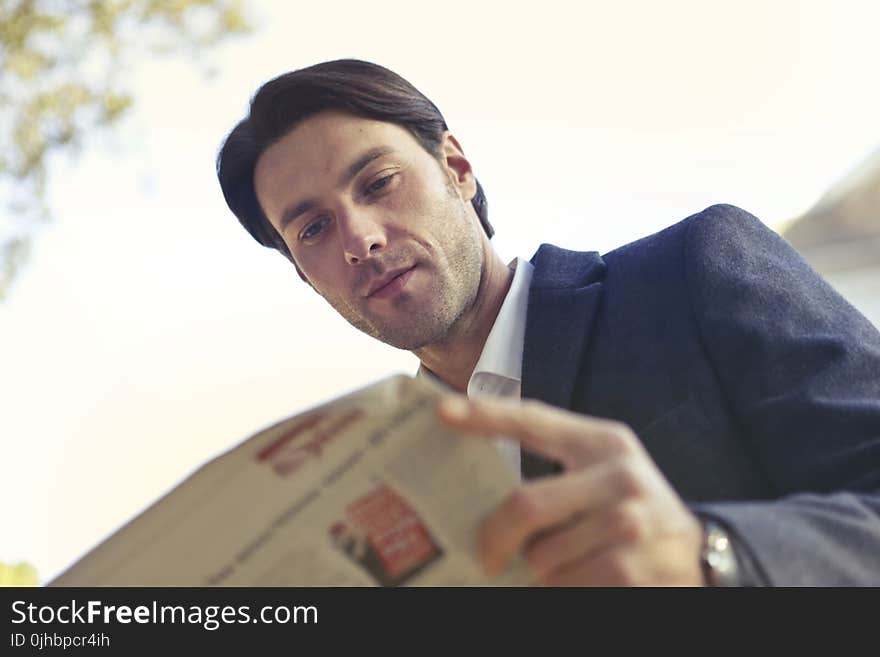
(407, 338)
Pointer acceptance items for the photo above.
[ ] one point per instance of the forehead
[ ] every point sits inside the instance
(322, 146)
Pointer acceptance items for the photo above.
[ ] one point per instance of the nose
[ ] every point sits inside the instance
(362, 236)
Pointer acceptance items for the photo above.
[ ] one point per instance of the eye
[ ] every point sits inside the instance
(313, 229)
(378, 185)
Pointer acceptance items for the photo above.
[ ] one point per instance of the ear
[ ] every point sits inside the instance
(458, 167)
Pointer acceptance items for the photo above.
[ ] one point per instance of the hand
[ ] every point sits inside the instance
(609, 519)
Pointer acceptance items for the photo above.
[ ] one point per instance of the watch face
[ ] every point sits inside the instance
(719, 558)
(720, 561)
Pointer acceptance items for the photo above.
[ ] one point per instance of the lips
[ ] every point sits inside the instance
(386, 279)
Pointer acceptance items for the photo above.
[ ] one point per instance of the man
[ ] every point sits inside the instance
(708, 409)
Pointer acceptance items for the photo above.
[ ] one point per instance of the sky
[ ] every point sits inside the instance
(149, 332)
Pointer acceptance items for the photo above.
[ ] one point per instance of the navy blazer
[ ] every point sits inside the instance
(754, 385)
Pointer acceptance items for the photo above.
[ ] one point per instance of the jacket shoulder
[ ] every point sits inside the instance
(708, 233)
(723, 226)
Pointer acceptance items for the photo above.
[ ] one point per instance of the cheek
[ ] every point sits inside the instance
(320, 273)
(317, 261)
(419, 203)
(331, 292)
(406, 203)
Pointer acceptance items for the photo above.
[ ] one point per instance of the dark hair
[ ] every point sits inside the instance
(349, 85)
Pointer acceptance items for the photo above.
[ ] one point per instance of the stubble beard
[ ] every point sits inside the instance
(452, 291)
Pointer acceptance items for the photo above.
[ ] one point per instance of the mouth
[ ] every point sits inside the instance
(390, 283)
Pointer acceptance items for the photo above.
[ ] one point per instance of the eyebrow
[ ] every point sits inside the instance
(353, 169)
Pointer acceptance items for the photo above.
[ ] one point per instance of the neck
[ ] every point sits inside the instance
(453, 360)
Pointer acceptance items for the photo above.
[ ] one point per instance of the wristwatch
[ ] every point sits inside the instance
(717, 556)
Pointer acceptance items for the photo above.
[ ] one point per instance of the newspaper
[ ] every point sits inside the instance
(366, 490)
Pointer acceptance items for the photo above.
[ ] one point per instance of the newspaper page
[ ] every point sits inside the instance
(366, 490)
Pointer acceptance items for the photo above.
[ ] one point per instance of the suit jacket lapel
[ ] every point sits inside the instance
(563, 298)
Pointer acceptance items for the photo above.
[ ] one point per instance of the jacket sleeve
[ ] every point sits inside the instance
(800, 370)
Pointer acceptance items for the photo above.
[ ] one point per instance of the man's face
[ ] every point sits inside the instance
(380, 228)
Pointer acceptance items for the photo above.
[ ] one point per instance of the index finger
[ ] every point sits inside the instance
(573, 440)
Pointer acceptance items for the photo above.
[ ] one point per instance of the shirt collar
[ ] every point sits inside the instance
(502, 353)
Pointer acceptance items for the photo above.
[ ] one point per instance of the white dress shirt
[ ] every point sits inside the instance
(498, 371)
